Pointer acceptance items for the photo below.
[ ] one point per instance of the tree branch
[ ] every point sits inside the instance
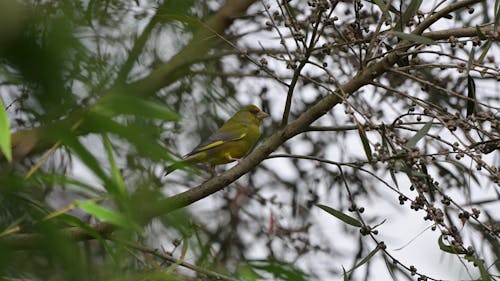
(462, 32)
(294, 128)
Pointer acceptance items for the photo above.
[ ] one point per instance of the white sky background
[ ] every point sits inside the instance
(423, 252)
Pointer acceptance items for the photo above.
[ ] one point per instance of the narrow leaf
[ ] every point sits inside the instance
(414, 38)
(471, 94)
(386, 148)
(89, 160)
(143, 142)
(5, 147)
(281, 270)
(471, 60)
(74, 221)
(341, 216)
(393, 177)
(181, 18)
(366, 259)
(410, 11)
(485, 52)
(485, 276)
(68, 182)
(480, 34)
(106, 214)
(449, 249)
(366, 144)
(113, 105)
(462, 171)
(116, 175)
(419, 135)
(382, 4)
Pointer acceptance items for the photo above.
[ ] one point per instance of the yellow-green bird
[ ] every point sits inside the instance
(229, 143)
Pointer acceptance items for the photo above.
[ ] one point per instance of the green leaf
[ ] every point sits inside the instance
(79, 149)
(462, 171)
(410, 11)
(382, 4)
(68, 182)
(179, 10)
(480, 34)
(448, 173)
(116, 175)
(90, 162)
(414, 38)
(341, 216)
(471, 94)
(76, 222)
(485, 276)
(366, 144)
(386, 148)
(471, 60)
(5, 146)
(393, 177)
(449, 249)
(419, 135)
(145, 142)
(485, 52)
(114, 104)
(194, 22)
(365, 259)
(107, 215)
(247, 273)
(281, 270)
(412, 172)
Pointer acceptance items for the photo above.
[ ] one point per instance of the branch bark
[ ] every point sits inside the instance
(488, 31)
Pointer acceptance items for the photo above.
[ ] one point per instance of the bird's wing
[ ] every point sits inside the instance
(216, 139)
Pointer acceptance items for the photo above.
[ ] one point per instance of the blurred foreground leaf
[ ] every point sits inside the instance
(5, 147)
(108, 215)
(280, 270)
(114, 104)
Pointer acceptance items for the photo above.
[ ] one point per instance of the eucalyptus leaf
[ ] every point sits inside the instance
(419, 135)
(449, 249)
(341, 216)
(365, 142)
(414, 38)
(471, 94)
(365, 259)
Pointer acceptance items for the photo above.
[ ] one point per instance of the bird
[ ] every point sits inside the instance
(231, 142)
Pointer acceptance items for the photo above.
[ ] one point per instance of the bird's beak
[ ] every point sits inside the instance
(262, 115)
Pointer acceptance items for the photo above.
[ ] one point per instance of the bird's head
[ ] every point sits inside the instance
(255, 111)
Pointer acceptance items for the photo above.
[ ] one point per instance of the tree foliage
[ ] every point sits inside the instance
(382, 112)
